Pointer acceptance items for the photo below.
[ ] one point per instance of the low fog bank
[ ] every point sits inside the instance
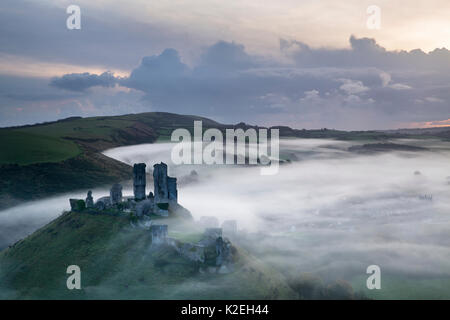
(328, 211)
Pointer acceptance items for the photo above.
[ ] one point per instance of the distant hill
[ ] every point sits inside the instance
(384, 147)
(117, 261)
(433, 132)
(45, 159)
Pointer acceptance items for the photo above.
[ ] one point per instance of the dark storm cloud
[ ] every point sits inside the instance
(366, 52)
(364, 86)
(28, 100)
(83, 81)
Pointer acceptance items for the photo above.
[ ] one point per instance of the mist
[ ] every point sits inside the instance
(327, 211)
(330, 211)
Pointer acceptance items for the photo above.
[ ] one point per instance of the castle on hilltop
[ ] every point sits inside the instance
(163, 198)
(162, 201)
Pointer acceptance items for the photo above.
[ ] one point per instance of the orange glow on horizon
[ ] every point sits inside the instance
(430, 124)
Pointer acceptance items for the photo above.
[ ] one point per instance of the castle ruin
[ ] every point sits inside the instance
(165, 187)
(163, 199)
(139, 181)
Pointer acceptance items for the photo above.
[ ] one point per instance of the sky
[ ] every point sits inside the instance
(306, 64)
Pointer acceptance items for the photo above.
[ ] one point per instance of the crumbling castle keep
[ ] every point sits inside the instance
(163, 199)
(139, 181)
(165, 194)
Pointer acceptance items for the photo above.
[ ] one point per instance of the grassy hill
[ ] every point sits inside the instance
(49, 158)
(26, 148)
(117, 261)
(45, 159)
(20, 144)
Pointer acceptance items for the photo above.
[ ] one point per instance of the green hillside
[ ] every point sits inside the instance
(25, 148)
(61, 140)
(45, 159)
(41, 160)
(117, 261)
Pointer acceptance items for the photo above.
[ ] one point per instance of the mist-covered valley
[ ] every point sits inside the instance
(328, 212)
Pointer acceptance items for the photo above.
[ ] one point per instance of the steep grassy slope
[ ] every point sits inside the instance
(117, 261)
(94, 134)
(42, 160)
(31, 182)
(26, 148)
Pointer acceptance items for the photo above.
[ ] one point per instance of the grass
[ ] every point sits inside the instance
(61, 140)
(40, 160)
(24, 148)
(117, 261)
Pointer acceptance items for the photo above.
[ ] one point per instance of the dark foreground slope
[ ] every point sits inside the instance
(118, 261)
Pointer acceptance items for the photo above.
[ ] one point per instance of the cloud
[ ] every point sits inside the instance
(434, 100)
(365, 52)
(108, 37)
(400, 86)
(352, 87)
(83, 81)
(30, 100)
(228, 83)
(363, 87)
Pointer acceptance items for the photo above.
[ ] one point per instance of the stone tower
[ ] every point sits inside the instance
(160, 182)
(139, 181)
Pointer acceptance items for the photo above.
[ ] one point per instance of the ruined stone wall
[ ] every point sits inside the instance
(191, 251)
(172, 189)
(159, 234)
